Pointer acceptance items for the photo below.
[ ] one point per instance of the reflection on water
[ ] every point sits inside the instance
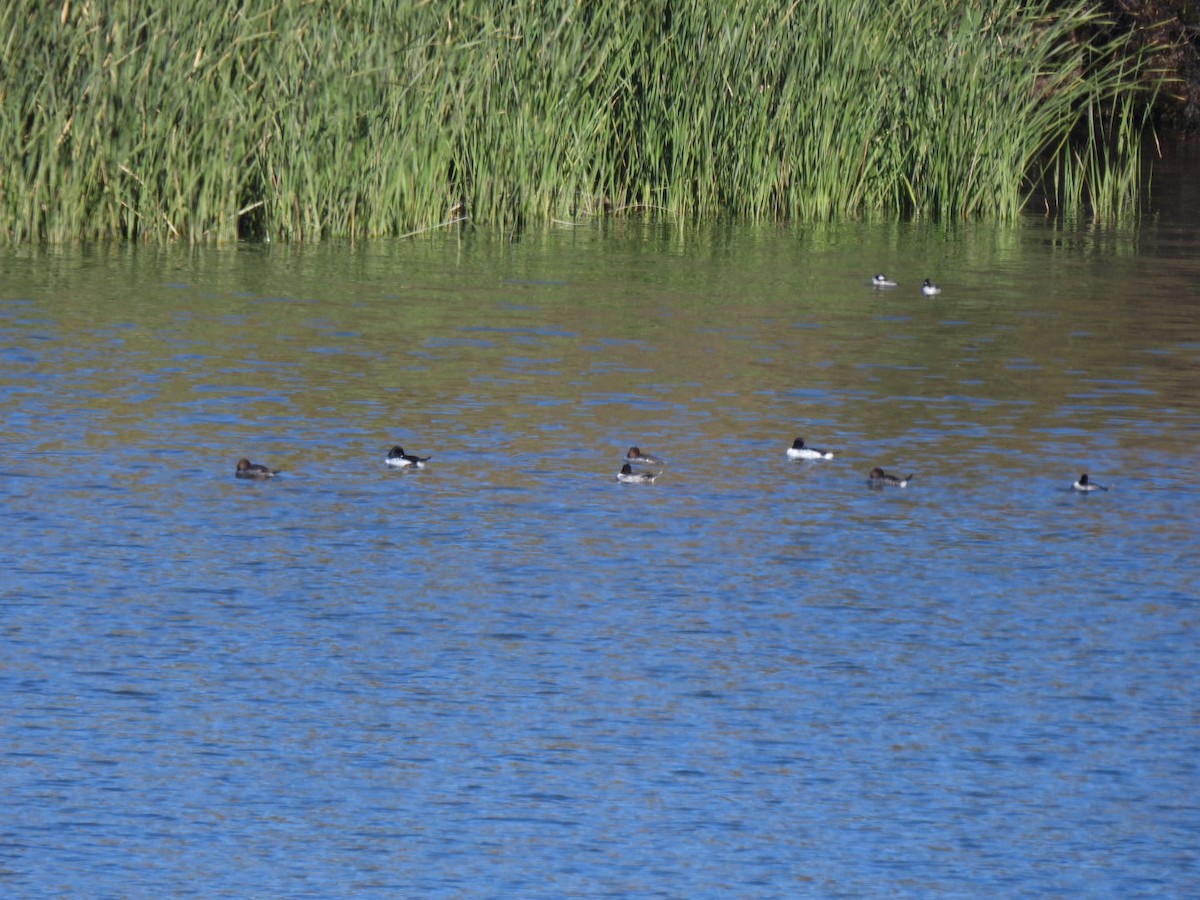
(509, 675)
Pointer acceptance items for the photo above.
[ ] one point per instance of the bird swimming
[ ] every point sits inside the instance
(247, 469)
(879, 478)
(1086, 484)
(628, 476)
(799, 451)
(398, 459)
(635, 455)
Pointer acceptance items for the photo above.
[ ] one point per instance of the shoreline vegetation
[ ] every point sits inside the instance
(296, 121)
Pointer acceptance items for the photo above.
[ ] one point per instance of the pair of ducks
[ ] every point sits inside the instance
(396, 458)
(928, 288)
(628, 476)
(877, 478)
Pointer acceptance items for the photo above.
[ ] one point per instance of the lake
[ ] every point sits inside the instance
(509, 675)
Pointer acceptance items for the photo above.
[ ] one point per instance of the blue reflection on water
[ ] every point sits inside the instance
(509, 675)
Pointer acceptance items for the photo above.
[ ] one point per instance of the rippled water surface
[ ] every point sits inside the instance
(507, 675)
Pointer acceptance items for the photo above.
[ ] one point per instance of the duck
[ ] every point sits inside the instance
(929, 289)
(882, 281)
(635, 455)
(398, 459)
(247, 469)
(628, 476)
(1086, 484)
(879, 478)
(799, 451)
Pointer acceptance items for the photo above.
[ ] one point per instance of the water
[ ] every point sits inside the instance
(507, 675)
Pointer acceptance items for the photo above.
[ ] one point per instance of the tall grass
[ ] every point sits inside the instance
(304, 119)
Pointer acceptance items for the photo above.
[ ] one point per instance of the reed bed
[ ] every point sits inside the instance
(307, 119)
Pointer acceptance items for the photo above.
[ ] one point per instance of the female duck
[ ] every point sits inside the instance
(1085, 484)
(398, 459)
(880, 478)
(799, 451)
(628, 476)
(637, 456)
(247, 469)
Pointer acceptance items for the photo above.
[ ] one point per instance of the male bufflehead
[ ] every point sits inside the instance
(628, 476)
(929, 289)
(399, 459)
(882, 281)
(1084, 484)
(637, 456)
(799, 451)
(247, 469)
(879, 478)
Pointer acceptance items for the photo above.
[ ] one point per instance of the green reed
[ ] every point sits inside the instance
(305, 119)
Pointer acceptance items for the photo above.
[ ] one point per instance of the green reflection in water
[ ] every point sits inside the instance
(610, 335)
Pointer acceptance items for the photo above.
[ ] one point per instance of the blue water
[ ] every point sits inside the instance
(507, 675)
